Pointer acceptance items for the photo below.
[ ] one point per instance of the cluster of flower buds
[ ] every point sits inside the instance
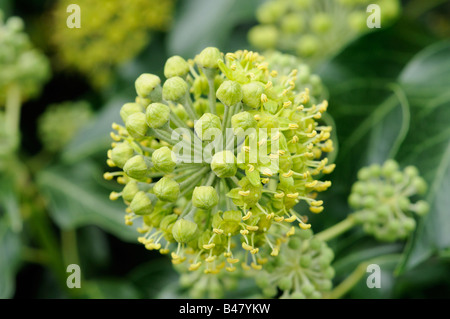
(381, 198)
(284, 63)
(302, 270)
(315, 29)
(200, 285)
(60, 122)
(111, 32)
(215, 158)
(21, 66)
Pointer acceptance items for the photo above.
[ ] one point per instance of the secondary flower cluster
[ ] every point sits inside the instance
(60, 122)
(315, 29)
(22, 67)
(381, 198)
(111, 33)
(303, 269)
(215, 158)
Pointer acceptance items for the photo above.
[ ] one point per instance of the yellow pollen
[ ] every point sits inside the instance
(247, 216)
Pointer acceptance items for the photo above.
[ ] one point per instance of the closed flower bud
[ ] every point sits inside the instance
(321, 23)
(234, 216)
(136, 167)
(308, 45)
(157, 115)
(208, 58)
(223, 164)
(121, 153)
(263, 36)
(130, 190)
(164, 159)
(166, 189)
(128, 109)
(184, 230)
(136, 125)
(141, 204)
(242, 121)
(174, 89)
(176, 66)
(251, 94)
(146, 84)
(229, 93)
(205, 197)
(207, 122)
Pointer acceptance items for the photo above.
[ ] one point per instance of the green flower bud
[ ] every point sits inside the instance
(176, 66)
(389, 167)
(422, 208)
(420, 185)
(207, 122)
(357, 21)
(147, 85)
(184, 230)
(251, 94)
(128, 109)
(285, 283)
(136, 125)
(223, 164)
(321, 22)
(141, 204)
(229, 93)
(136, 167)
(292, 23)
(208, 58)
(205, 197)
(130, 190)
(121, 153)
(242, 121)
(174, 89)
(263, 36)
(157, 115)
(164, 159)
(166, 189)
(308, 45)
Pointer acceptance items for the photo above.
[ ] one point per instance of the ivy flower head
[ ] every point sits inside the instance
(111, 33)
(22, 67)
(215, 158)
(315, 29)
(382, 199)
(302, 271)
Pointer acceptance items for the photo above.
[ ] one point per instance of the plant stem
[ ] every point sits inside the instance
(349, 282)
(337, 229)
(69, 246)
(12, 114)
(212, 95)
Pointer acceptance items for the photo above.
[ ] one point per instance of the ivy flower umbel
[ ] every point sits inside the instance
(215, 158)
(381, 198)
(111, 33)
(303, 269)
(315, 29)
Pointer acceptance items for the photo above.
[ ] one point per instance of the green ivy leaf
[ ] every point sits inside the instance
(203, 23)
(426, 81)
(77, 197)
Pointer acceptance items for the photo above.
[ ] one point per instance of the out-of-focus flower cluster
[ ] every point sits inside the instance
(215, 158)
(22, 67)
(111, 33)
(381, 198)
(60, 122)
(303, 269)
(315, 29)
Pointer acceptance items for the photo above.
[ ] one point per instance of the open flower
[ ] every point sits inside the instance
(221, 155)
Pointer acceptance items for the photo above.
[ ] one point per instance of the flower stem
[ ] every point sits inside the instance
(336, 229)
(12, 115)
(212, 95)
(349, 282)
